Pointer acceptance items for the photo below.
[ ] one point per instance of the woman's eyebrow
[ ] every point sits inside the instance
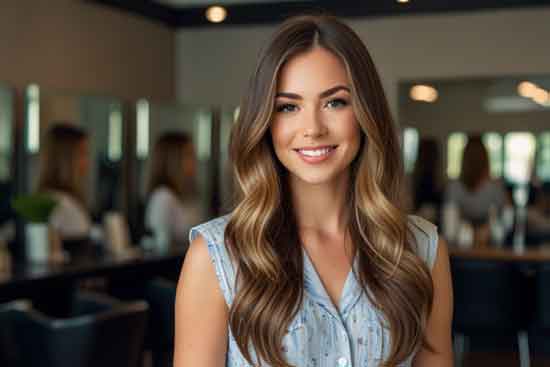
(288, 95)
(324, 94)
(333, 90)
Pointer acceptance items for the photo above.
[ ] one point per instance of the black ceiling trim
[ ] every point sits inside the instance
(154, 11)
(267, 13)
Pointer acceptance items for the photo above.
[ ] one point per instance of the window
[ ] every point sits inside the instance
(519, 150)
(410, 148)
(455, 147)
(114, 150)
(33, 118)
(493, 144)
(543, 157)
(142, 135)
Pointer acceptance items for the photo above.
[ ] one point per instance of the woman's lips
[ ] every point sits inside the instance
(316, 154)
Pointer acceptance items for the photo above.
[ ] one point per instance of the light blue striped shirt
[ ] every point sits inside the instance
(321, 335)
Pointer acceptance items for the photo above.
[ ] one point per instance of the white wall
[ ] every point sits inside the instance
(80, 46)
(213, 65)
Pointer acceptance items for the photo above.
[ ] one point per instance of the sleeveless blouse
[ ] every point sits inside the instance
(321, 335)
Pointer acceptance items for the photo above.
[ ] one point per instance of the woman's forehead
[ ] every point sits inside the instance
(312, 71)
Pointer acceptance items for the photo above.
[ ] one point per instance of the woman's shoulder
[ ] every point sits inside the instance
(64, 199)
(57, 195)
(426, 238)
(455, 185)
(161, 200)
(161, 193)
(212, 231)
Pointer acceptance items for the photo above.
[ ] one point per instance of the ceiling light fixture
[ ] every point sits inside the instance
(526, 89)
(216, 14)
(541, 96)
(424, 93)
(402, 1)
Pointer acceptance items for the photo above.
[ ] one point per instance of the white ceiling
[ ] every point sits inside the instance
(194, 3)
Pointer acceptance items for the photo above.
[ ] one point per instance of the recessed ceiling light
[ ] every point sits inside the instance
(424, 93)
(526, 89)
(216, 14)
(402, 1)
(540, 96)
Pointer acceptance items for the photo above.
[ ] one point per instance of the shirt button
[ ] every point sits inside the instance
(342, 362)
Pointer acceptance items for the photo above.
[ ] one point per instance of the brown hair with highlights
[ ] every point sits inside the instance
(262, 233)
(59, 161)
(167, 164)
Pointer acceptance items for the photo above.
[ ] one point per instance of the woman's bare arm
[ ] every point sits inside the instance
(201, 312)
(438, 331)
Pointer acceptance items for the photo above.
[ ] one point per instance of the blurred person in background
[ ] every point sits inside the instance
(64, 169)
(426, 190)
(172, 207)
(476, 192)
(538, 215)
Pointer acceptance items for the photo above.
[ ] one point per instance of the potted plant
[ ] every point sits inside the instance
(36, 209)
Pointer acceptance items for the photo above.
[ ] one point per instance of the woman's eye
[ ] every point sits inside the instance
(287, 107)
(335, 103)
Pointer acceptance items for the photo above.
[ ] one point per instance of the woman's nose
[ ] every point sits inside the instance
(314, 126)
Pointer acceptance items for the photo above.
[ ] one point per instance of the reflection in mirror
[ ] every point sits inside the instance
(509, 115)
(6, 152)
(496, 108)
(490, 197)
(96, 161)
(173, 170)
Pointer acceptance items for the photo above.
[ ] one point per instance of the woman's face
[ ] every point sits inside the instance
(314, 130)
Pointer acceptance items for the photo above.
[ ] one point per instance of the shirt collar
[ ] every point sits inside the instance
(316, 290)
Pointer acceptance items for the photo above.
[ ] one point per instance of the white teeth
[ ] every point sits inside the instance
(315, 153)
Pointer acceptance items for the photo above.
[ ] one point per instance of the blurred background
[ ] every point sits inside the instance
(114, 124)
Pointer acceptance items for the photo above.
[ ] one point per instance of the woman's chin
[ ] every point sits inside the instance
(316, 178)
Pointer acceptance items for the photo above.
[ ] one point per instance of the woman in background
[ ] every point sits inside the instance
(171, 208)
(475, 192)
(64, 169)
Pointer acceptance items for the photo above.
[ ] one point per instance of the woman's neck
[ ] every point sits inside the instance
(321, 207)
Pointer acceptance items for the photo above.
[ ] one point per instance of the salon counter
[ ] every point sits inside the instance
(25, 279)
(531, 254)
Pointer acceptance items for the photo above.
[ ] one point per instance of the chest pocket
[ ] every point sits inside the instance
(378, 343)
(295, 339)
(308, 340)
(373, 350)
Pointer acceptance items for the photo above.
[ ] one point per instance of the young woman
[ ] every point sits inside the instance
(475, 192)
(169, 211)
(317, 265)
(64, 169)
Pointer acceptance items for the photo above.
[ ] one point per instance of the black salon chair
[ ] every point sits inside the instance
(160, 294)
(540, 327)
(100, 332)
(9, 355)
(490, 301)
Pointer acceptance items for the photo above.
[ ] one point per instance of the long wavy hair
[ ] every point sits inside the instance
(262, 234)
(59, 161)
(166, 167)
(475, 163)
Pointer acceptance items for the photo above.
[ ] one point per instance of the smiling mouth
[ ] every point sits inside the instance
(317, 151)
